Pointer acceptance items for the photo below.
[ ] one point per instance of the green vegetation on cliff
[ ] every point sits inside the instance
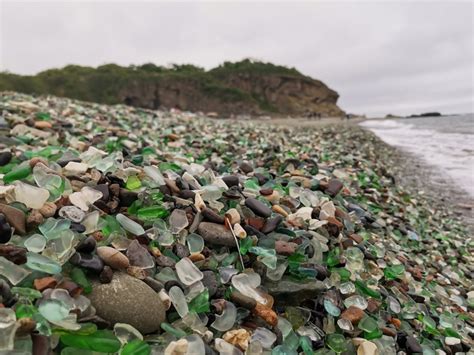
(185, 86)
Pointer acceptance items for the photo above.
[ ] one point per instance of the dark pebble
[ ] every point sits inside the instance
(5, 292)
(246, 168)
(106, 275)
(15, 254)
(211, 216)
(90, 262)
(156, 285)
(231, 180)
(187, 194)
(333, 188)
(217, 234)
(210, 281)
(322, 272)
(412, 345)
(266, 192)
(171, 283)
(5, 229)
(114, 189)
(77, 227)
(262, 179)
(253, 231)
(104, 188)
(242, 300)
(181, 250)
(87, 245)
(234, 193)
(127, 197)
(41, 344)
(417, 298)
(271, 224)
(5, 158)
(182, 184)
(258, 207)
(165, 261)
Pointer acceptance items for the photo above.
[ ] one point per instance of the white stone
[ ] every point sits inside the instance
(32, 196)
(77, 168)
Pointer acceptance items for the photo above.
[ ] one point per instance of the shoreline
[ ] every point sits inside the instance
(414, 174)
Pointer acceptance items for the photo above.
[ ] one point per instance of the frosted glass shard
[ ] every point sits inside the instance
(195, 345)
(62, 295)
(53, 310)
(52, 228)
(69, 322)
(179, 301)
(226, 320)
(195, 243)
(12, 272)
(73, 213)
(32, 196)
(86, 197)
(42, 263)
(61, 249)
(35, 243)
(162, 234)
(155, 175)
(129, 225)
(247, 284)
(8, 327)
(264, 336)
(90, 222)
(178, 221)
(125, 333)
(188, 273)
(356, 301)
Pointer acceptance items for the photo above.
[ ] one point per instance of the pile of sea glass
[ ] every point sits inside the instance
(133, 231)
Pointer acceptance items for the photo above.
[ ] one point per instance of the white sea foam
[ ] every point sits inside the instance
(453, 153)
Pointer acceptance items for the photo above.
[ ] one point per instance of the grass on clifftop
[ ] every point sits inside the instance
(104, 83)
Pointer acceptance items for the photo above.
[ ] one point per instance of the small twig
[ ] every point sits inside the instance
(236, 241)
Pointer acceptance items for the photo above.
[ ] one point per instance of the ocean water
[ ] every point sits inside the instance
(446, 143)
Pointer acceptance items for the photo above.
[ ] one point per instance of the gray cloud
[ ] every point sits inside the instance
(398, 57)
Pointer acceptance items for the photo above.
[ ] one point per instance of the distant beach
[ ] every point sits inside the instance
(445, 142)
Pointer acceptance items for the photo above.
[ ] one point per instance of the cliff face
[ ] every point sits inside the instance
(184, 94)
(289, 95)
(244, 87)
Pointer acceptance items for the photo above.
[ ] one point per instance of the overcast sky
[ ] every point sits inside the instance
(398, 57)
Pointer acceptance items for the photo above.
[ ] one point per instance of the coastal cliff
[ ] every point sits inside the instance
(245, 87)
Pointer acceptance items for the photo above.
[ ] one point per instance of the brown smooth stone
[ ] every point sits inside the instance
(71, 287)
(266, 313)
(44, 283)
(373, 305)
(13, 253)
(356, 238)
(34, 219)
(389, 331)
(256, 222)
(15, 217)
(334, 187)
(285, 248)
(48, 209)
(113, 257)
(353, 314)
(266, 192)
(43, 125)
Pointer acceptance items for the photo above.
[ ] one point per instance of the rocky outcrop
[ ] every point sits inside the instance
(289, 95)
(238, 94)
(245, 87)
